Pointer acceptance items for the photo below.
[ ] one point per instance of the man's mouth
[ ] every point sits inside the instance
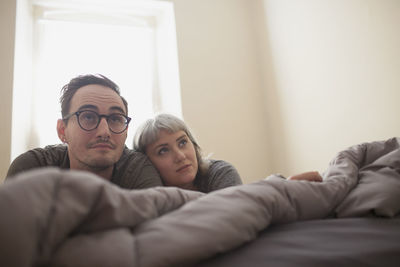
(102, 146)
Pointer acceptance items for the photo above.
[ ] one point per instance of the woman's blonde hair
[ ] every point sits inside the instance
(148, 132)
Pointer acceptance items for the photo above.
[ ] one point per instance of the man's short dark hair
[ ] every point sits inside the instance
(69, 90)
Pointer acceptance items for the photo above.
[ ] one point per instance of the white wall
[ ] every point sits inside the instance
(7, 33)
(335, 68)
(222, 93)
(329, 75)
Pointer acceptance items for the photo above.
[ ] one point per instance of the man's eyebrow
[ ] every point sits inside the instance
(117, 108)
(88, 107)
(93, 107)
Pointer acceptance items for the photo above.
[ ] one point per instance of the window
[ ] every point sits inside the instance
(131, 42)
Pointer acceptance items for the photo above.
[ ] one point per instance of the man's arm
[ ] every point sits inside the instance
(312, 176)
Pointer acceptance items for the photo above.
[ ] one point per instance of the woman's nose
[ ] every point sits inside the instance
(179, 155)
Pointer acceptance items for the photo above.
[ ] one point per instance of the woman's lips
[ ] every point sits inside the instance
(183, 168)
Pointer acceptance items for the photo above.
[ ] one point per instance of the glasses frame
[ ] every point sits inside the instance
(128, 119)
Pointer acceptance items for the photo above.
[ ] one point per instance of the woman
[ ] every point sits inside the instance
(171, 147)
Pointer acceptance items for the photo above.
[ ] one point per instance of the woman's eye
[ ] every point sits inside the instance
(162, 151)
(183, 142)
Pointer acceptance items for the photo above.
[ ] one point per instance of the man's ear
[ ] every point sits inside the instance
(61, 130)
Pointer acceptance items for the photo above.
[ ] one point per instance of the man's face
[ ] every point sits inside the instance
(98, 149)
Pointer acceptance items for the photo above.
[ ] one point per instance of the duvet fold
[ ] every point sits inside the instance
(52, 217)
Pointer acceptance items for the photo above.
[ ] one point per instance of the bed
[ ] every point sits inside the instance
(53, 217)
(329, 242)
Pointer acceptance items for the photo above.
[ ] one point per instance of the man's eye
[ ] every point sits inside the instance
(88, 117)
(117, 119)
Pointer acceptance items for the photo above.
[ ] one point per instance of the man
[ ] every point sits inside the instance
(93, 129)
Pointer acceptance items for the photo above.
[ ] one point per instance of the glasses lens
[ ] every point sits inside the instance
(117, 122)
(88, 120)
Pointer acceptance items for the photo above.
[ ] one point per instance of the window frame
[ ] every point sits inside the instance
(158, 13)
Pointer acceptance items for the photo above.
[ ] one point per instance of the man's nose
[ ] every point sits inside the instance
(103, 130)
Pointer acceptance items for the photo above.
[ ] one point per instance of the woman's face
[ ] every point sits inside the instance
(174, 156)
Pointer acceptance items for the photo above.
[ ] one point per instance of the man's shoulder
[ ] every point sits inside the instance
(134, 170)
(54, 155)
(45, 156)
(131, 153)
(131, 157)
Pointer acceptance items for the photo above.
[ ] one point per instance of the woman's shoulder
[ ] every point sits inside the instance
(222, 174)
(217, 165)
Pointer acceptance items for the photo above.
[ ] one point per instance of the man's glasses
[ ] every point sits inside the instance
(89, 120)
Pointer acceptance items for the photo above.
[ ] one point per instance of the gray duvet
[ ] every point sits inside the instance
(51, 217)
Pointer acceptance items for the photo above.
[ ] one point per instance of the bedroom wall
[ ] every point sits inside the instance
(334, 77)
(221, 82)
(7, 33)
(329, 77)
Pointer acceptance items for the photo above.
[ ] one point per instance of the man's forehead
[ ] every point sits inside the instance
(98, 97)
